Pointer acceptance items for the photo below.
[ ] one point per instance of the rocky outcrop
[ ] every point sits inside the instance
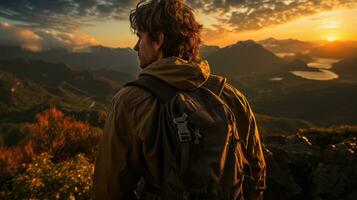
(313, 164)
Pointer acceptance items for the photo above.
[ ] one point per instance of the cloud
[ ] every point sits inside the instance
(55, 39)
(215, 32)
(329, 25)
(64, 15)
(42, 40)
(13, 36)
(243, 15)
(234, 15)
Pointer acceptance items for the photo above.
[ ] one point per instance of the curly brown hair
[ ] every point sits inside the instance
(175, 20)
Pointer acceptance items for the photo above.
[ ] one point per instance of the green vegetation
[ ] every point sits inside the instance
(43, 179)
(269, 125)
(54, 161)
(46, 153)
(28, 87)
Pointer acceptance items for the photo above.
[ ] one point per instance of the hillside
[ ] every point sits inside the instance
(206, 50)
(96, 57)
(30, 86)
(269, 125)
(284, 102)
(38, 71)
(245, 58)
(337, 50)
(324, 105)
(17, 94)
(286, 45)
(310, 163)
(347, 68)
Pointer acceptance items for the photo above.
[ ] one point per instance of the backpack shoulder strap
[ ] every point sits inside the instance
(160, 89)
(215, 84)
(164, 92)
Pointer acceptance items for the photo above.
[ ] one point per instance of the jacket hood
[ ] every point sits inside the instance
(179, 73)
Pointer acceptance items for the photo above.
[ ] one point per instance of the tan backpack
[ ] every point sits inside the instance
(202, 156)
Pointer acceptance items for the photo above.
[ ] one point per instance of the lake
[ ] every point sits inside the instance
(324, 74)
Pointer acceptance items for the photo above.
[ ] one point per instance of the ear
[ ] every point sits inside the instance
(160, 40)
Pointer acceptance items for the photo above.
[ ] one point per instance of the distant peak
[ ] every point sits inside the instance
(245, 43)
(251, 44)
(99, 47)
(270, 39)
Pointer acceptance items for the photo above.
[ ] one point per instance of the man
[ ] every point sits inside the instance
(168, 49)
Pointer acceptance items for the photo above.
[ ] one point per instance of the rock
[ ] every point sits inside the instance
(335, 177)
(333, 181)
(280, 181)
(291, 159)
(321, 167)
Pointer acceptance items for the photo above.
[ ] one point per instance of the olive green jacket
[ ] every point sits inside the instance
(129, 149)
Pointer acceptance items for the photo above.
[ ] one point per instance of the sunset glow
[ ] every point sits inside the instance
(330, 38)
(328, 20)
(97, 97)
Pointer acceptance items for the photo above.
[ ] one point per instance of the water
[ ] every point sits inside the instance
(322, 75)
(276, 79)
(282, 55)
(323, 65)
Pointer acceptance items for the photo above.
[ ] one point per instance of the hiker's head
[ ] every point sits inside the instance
(165, 28)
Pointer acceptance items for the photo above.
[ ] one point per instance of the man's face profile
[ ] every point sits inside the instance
(148, 50)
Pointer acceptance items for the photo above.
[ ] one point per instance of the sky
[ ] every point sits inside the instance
(76, 24)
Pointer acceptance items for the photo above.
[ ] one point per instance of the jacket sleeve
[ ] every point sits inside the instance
(254, 162)
(255, 175)
(118, 162)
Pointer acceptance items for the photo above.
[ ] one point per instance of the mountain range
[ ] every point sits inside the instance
(83, 83)
(96, 57)
(286, 45)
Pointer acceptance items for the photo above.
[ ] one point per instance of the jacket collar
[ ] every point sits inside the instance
(179, 73)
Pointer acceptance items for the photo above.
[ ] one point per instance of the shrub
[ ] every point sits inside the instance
(12, 158)
(60, 136)
(43, 179)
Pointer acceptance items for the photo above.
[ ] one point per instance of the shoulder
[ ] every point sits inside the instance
(131, 96)
(241, 108)
(235, 96)
(138, 108)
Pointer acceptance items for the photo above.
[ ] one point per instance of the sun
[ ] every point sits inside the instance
(330, 38)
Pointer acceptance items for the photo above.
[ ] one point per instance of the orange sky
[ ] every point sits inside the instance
(78, 24)
(340, 24)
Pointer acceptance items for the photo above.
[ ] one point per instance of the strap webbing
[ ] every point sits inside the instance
(215, 84)
(164, 92)
(155, 86)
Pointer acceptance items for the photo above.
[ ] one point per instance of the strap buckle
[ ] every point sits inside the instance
(183, 132)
